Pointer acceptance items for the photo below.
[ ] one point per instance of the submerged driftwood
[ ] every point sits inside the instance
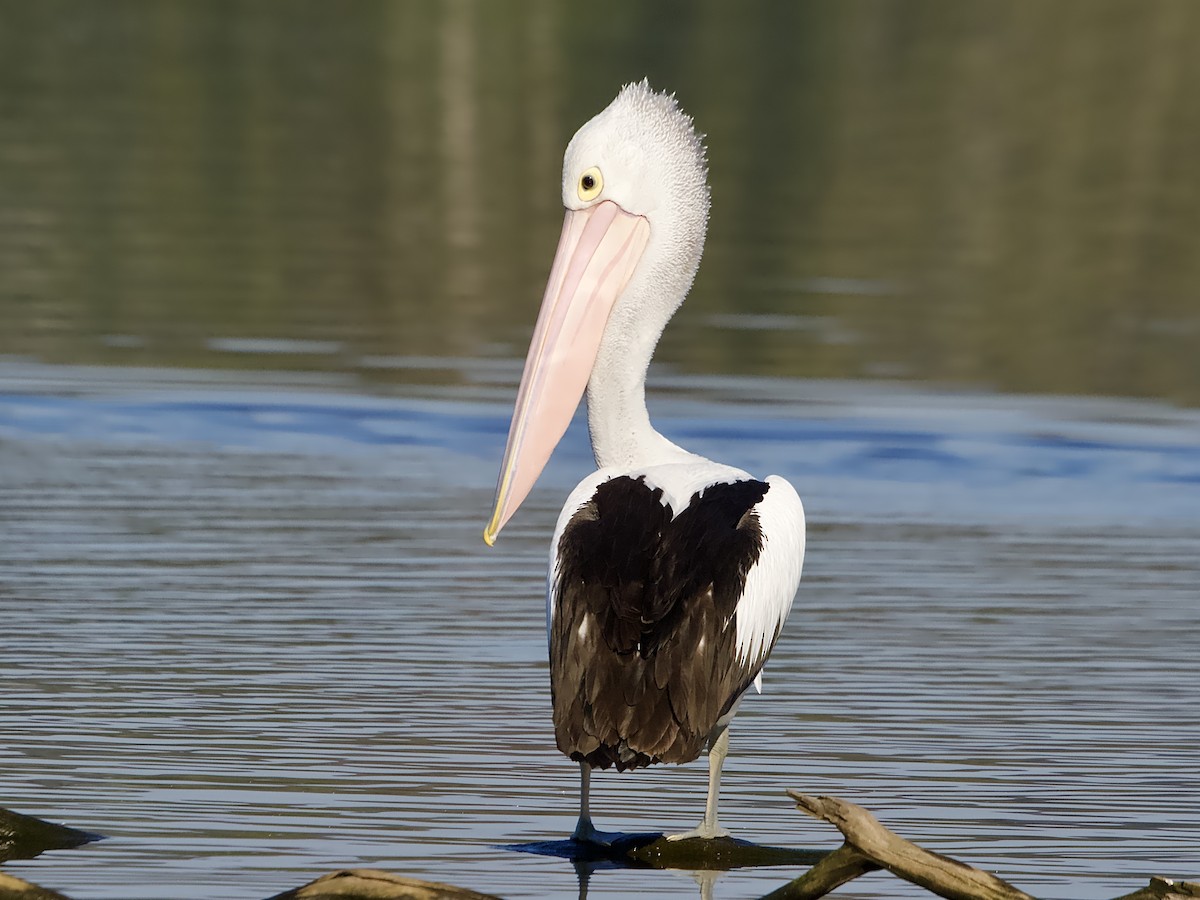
(870, 846)
(720, 854)
(24, 837)
(1165, 889)
(655, 851)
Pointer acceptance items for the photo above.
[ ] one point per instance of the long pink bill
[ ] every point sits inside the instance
(597, 253)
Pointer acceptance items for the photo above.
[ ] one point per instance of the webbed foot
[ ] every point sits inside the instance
(704, 831)
(586, 833)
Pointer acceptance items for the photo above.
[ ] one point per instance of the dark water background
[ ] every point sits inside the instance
(993, 194)
(266, 274)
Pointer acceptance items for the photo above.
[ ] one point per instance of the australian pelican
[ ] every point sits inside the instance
(671, 575)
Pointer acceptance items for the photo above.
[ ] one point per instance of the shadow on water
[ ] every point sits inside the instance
(651, 850)
(590, 857)
(703, 859)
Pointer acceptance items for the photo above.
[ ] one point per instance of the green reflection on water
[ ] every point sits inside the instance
(998, 194)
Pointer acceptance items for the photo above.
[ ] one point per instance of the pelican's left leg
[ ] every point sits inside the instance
(718, 749)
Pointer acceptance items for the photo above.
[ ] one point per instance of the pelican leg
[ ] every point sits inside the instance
(718, 749)
(585, 832)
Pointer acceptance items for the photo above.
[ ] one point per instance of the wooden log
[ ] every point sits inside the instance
(833, 870)
(24, 837)
(13, 888)
(373, 884)
(938, 874)
(1165, 889)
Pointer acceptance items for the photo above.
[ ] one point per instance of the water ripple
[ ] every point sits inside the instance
(253, 648)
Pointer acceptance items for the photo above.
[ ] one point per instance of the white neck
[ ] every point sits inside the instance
(618, 420)
(617, 416)
(671, 191)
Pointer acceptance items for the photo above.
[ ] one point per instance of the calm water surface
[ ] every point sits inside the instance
(250, 632)
(248, 626)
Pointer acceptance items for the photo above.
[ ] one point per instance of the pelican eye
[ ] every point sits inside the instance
(591, 183)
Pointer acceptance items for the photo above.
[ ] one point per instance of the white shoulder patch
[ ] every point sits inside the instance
(771, 584)
(680, 481)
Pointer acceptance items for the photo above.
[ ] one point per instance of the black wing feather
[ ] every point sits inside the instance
(653, 666)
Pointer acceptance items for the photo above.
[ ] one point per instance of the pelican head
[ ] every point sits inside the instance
(643, 154)
(636, 195)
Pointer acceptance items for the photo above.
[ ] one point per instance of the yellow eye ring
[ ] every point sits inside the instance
(591, 183)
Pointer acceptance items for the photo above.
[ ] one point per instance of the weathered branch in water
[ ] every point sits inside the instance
(13, 888)
(832, 871)
(869, 846)
(373, 884)
(939, 874)
(1165, 889)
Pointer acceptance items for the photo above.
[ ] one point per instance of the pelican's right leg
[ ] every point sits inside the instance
(585, 831)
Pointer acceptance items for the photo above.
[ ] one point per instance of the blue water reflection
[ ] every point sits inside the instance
(983, 457)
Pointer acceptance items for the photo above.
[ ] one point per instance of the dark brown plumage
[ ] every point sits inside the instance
(643, 657)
